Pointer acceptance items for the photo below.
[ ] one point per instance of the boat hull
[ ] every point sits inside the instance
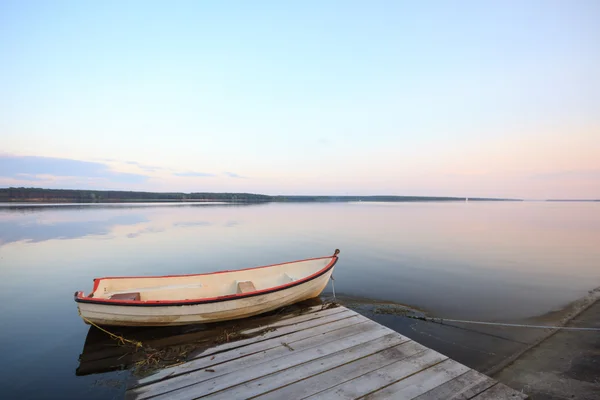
(230, 309)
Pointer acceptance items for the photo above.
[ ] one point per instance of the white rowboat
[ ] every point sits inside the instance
(200, 298)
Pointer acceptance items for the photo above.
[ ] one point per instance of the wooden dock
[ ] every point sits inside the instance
(331, 353)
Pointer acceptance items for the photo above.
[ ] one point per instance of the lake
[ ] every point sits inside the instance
(502, 261)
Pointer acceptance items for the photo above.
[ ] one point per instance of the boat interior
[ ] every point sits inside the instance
(190, 287)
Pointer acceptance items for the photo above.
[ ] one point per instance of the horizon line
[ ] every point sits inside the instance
(466, 198)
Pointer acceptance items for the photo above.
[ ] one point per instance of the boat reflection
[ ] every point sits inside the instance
(164, 346)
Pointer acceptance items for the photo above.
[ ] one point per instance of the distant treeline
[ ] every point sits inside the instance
(375, 198)
(110, 196)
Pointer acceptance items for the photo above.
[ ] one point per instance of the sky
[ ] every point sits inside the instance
(463, 98)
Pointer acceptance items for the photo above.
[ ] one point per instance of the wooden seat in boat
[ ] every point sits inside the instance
(245, 287)
(135, 296)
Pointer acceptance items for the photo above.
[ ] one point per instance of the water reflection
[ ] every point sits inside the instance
(490, 261)
(32, 230)
(192, 223)
(48, 222)
(171, 345)
(33, 207)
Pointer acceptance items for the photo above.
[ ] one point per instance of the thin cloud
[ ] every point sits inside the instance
(234, 175)
(34, 168)
(193, 174)
(147, 168)
(29, 177)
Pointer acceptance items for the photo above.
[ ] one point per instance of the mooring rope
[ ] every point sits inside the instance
(118, 338)
(566, 328)
(333, 287)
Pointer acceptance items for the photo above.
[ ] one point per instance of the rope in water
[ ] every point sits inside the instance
(566, 328)
(119, 338)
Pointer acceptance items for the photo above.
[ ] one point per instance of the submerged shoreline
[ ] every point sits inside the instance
(563, 365)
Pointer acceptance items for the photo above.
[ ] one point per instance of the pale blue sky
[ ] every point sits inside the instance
(474, 98)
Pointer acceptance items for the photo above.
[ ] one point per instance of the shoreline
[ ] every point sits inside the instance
(567, 314)
(562, 365)
(517, 357)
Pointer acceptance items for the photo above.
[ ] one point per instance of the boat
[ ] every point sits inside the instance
(203, 298)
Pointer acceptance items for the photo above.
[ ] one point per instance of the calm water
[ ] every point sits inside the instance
(500, 261)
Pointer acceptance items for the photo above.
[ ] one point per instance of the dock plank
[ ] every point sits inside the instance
(322, 354)
(268, 367)
(286, 326)
(302, 318)
(372, 381)
(421, 382)
(344, 373)
(463, 387)
(387, 349)
(309, 329)
(102, 355)
(256, 365)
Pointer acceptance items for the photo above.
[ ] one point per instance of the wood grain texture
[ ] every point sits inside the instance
(327, 324)
(344, 373)
(323, 354)
(263, 363)
(421, 382)
(463, 387)
(381, 377)
(387, 347)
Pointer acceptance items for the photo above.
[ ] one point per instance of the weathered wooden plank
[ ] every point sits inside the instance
(278, 329)
(369, 382)
(269, 366)
(263, 363)
(421, 382)
(463, 387)
(300, 319)
(275, 328)
(115, 357)
(326, 354)
(344, 373)
(500, 392)
(327, 324)
(387, 349)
